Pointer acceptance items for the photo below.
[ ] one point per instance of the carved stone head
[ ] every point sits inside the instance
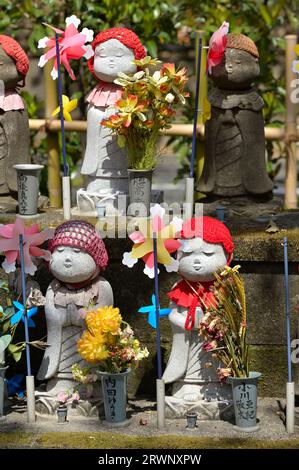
(239, 66)
(114, 51)
(14, 63)
(206, 247)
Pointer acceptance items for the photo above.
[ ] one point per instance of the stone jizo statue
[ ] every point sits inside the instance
(78, 258)
(14, 124)
(206, 247)
(235, 161)
(105, 163)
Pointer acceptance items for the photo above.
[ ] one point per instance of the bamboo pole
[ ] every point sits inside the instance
(53, 125)
(51, 102)
(290, 201)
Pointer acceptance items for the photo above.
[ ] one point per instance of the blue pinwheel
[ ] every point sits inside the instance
(151, 310)
(19, 315)
(15, 386)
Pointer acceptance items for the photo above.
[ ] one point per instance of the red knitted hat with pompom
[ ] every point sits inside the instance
(211, 231)
(126, 36)
(13, 49)
(80, 234)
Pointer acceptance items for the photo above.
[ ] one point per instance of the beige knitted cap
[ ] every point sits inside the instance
(240, 41)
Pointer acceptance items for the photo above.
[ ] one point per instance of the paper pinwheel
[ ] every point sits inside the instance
(143, 242)
(216, 46)
(68, 106)
(19, 315)
(14, 385)
(33, 238)
(151, 310)
(72, 45)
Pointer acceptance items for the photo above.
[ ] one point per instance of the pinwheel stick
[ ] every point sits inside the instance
(290, 387)
(66, 190)
(29, 378)
(160, 386)
(189, 195)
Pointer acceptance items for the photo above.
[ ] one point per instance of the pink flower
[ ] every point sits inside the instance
(223, 373)
(210, 346)
(217, 46)
(62, 397)
(32, 237)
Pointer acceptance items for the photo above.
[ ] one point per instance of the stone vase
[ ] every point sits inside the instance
(140, 185)
(62, 414)
(28, 176)
(245, 401)
(114, 388)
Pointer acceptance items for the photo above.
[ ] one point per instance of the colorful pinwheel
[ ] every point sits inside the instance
(217, 46)
(19, 315)
(72, 45)
(151, 311)
(144, 246)
(33, 238)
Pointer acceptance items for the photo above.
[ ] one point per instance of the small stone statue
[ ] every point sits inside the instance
(14, 124)
(78, 257)
(105, 163)
(235, 143)
(191, 369)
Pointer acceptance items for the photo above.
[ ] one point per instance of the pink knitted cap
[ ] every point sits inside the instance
(80, 234)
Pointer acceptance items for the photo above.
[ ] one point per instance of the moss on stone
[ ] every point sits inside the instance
(105, 440)
(271, 361)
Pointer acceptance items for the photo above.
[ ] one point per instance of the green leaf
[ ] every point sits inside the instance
(266, 14)
(4, 342)
(16, 351)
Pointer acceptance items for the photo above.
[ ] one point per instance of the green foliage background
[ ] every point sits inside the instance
(157, 23)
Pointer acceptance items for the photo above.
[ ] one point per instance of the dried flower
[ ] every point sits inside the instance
(35, 299)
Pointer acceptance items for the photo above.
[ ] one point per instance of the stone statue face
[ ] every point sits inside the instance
(71, 265)
(112, 57)
(199, 259)
(237, 70)
(8, 70)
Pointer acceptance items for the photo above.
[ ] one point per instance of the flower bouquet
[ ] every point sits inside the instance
(145, 108)
(63, 399)
(224, 324)
(110, 346)
(109, 343)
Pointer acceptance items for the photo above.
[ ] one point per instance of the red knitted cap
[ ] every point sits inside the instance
(80, 234)
(211, 231)
(126, 36)
(15, 51)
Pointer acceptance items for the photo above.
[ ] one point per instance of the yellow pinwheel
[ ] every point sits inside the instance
(68, 106)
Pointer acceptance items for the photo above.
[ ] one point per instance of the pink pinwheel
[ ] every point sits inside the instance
(33, 238)
(143, 242)
(71, 46)
(217, 46)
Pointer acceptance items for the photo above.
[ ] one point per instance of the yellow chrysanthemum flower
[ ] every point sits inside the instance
(104, 320)
(92, 348)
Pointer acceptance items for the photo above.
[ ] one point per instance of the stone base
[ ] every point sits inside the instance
(252, 429)
(46, 405)
(177, 408)
(242, 207)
